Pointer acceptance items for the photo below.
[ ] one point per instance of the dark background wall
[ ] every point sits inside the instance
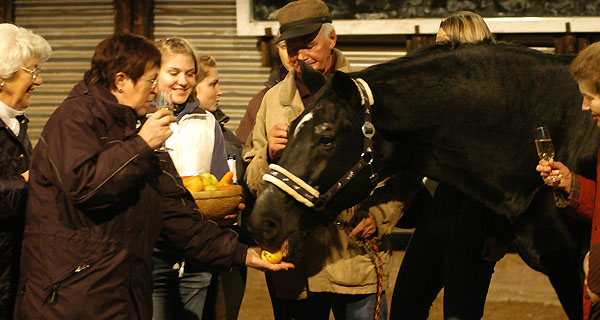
(398, 9)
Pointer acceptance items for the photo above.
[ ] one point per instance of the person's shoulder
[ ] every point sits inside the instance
(78, 103)
(341, 63)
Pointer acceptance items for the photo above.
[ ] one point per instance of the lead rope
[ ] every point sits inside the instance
(372, 250)
(378, 262)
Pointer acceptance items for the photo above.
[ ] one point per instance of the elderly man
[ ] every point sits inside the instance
(339, 274)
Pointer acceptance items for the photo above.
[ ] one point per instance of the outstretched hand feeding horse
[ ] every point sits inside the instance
(460, 114)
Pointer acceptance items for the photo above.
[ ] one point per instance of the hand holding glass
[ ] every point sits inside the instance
(544, 146)
(163, 102)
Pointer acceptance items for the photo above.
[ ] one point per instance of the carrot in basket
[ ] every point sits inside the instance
(226, 178)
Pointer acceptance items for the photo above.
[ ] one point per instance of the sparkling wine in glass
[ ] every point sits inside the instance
(543, 143)
(163, 102)
(544, 146)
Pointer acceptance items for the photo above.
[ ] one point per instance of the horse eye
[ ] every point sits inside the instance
(326, 140)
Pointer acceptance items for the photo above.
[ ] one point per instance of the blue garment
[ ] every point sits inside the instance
(174, 297)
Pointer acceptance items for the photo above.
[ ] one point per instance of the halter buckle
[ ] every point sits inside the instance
(368, 129)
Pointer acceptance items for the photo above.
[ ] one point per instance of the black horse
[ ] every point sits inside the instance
(460, 114)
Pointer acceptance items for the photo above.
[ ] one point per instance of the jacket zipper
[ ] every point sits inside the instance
(53, 295)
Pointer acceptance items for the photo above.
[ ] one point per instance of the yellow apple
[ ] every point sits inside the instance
(271, 257)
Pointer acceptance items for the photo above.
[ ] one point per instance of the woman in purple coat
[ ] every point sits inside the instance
(99, 197)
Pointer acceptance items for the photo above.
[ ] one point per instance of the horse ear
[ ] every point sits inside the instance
(342, 84)
(312, 78)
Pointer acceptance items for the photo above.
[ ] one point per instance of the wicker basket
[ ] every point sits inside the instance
(218, 203)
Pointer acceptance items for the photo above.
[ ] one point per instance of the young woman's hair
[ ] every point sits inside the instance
(204, 63)
(123, 52)
(466, 26)
(176, 45)
(586, 67)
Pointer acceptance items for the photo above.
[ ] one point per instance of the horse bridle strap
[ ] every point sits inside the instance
(292, 185)
(308, 195)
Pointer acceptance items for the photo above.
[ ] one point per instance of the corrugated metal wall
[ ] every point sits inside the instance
(73, 29)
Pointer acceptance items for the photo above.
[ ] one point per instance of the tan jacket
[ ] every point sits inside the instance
(335, 263)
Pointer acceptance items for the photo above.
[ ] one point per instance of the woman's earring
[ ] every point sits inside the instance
(120, 90)
(2, 85)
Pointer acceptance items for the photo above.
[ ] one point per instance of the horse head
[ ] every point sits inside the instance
(301, 191)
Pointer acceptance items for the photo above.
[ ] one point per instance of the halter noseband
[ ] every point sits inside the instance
(303, 192)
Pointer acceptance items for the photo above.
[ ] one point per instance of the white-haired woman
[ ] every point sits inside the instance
(22, 52)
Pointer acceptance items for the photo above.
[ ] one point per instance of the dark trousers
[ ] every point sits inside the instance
(427, 267)
(444, 252)
(225, 294)
(320, 304)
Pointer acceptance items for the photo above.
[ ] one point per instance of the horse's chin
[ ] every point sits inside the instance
(292, 246)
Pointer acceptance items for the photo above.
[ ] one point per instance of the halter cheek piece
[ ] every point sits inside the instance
(303, 192)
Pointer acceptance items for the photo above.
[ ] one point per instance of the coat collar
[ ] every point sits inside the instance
(288, 90)
(107, 108)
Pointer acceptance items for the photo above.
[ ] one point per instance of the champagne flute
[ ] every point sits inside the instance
(543, 145)
(163, 102)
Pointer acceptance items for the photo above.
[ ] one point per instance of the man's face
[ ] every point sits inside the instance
(314, 49)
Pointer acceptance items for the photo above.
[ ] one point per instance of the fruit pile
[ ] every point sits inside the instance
(208, 182)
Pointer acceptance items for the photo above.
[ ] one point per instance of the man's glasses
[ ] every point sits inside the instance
(34, 72)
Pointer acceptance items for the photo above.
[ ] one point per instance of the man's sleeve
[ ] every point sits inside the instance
(389, 201)
(255, 152)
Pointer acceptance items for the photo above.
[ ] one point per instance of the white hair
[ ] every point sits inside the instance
(19, 45)
(326, 29)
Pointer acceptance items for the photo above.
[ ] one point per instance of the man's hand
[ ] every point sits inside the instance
(277, 141)
(253, 260)
(365, 228)
(156, 129)
(25, 175)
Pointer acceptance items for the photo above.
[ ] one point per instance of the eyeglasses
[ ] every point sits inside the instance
(154, 82)
(34, 72)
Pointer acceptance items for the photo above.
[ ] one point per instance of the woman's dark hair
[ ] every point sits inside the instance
(122, 52)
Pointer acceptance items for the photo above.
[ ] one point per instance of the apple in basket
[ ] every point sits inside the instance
(215, 198)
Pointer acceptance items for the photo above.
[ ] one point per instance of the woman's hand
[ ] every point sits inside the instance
(253, 260)
(156, 129)
(365, 228)
(555, 174)
(231, 218)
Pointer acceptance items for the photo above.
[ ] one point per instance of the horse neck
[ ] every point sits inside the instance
(441, 112)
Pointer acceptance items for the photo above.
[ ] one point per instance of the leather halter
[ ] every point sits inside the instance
(303, 192)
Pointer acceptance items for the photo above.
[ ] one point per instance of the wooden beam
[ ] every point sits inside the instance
(122, 13)
(135, 16)
(143, 18)
(7, 8)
